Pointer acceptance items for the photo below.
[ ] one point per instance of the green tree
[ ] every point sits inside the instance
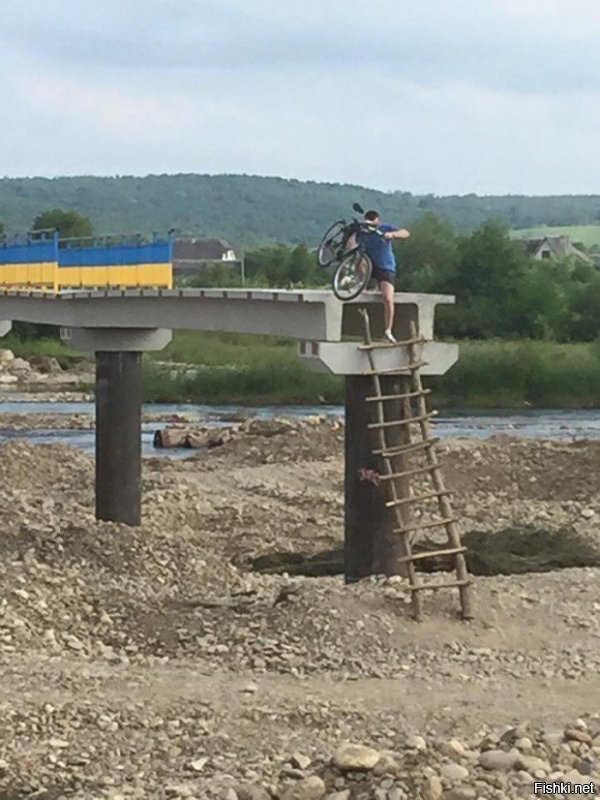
(301, 266)
(427, 261)
(70, 224)
(488, 273)
(584, 307)
(540, 309)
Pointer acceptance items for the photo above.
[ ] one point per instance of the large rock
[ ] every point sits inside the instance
(17, 365)
(432, 789)
(498, 759)
(532, 763)
(311, 788)
(454, 772)
(256, 426)
(355, 757)
(248, 791)
(46, 364)
(6, 356)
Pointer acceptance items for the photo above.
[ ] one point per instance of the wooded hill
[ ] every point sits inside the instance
(250, 209)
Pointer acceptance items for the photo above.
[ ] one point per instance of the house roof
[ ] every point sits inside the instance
(200, 249)
(560, 246)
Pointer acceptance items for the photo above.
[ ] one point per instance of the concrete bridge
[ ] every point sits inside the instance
(118, 325)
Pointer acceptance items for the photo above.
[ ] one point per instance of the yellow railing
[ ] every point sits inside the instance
(49, 276)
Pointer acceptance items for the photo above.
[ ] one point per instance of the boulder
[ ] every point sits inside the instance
(355, 757)
(46, 364)
(498, 760)
(311, 788)
(17, 365)
(248, 791)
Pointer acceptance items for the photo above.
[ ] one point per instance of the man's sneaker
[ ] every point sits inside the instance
(389, 337)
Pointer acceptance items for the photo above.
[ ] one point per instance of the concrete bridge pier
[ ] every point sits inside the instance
(5, 327)
(370, 545)
(119, 397)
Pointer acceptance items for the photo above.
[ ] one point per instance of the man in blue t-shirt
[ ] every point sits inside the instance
(376, 240)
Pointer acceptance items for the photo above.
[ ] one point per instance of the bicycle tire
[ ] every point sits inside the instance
(357, 276)
(331, 243)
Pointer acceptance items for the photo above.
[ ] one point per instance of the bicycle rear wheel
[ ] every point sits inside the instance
(352, 276)
(331, 244)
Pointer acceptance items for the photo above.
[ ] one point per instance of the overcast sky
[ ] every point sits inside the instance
(442, 96)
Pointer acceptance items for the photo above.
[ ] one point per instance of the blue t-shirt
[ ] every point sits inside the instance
(378, 249)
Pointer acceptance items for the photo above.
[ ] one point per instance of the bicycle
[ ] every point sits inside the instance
(353, 271)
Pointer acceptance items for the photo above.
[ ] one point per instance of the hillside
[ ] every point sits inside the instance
(251, 209)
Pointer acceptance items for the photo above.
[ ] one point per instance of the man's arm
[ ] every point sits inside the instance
(401, 233)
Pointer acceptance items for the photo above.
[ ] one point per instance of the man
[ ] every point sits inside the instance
(379, 249)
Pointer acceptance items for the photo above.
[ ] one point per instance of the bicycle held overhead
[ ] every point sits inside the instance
(359, 250)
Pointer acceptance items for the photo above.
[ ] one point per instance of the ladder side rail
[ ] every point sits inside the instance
(416, 600)
(443, 498)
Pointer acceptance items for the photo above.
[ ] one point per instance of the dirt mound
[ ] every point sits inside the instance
(26, 468)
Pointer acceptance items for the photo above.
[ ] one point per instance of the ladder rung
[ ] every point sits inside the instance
(406, 448)
(382, 397)
(440, 585)
(399, 422)
(408, 472)
(416, 498)
(450, 551)
(401, 368)
(380, 345)
(425, 527)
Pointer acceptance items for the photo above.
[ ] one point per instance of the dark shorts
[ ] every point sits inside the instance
(384, 275)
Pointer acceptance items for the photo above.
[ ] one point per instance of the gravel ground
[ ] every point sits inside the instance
(151, 663)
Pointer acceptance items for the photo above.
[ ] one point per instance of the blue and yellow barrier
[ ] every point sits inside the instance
(29, 263)
(54, 265)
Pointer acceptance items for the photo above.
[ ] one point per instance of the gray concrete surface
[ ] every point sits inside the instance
(309, 314)
(113, 340)
(344, 358)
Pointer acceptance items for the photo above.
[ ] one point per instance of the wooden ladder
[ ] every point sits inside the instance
(414, 401)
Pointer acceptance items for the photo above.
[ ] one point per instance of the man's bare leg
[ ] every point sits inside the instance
(387, 295)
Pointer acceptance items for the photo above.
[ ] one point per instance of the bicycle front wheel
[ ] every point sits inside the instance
(352, 276)
(331, 244)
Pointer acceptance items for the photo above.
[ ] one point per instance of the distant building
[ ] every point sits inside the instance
(191, 254)
(555, 247)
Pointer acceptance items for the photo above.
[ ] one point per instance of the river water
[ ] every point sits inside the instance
(564, 424)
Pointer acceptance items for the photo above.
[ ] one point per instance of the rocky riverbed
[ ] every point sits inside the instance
(44, 373)
(154, 663)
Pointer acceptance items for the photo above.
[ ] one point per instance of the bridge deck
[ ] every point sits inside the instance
(308, 314)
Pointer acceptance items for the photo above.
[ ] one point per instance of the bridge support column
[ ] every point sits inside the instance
(119, 396)
(118, 437)
(370, 546)
(5, 327)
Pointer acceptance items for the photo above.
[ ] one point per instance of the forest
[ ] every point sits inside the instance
(251, 210)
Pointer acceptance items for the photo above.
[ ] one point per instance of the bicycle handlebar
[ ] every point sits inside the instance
(368, 227)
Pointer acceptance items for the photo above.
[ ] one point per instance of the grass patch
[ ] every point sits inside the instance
(588, 235)
(235, 368)
(208, 367)
(496, 374)
(25, 348)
